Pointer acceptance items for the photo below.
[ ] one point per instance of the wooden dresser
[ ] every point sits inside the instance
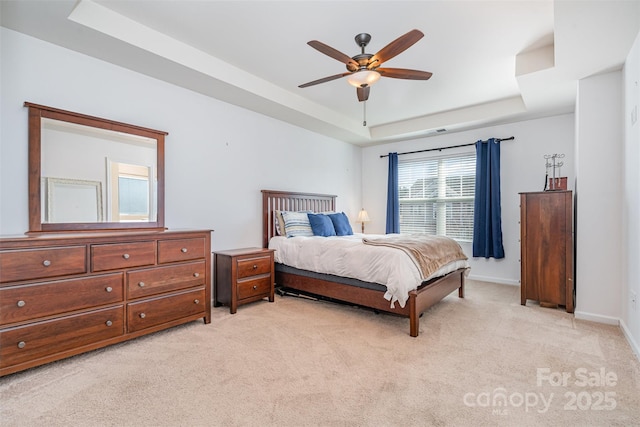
(546, 242)
(243, 276)
(65, 294)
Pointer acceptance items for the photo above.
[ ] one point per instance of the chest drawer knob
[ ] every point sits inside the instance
(22, 344)
(184, 250)
(21, 303)
(108, 289)
(142, 315)
(141, 284)
(196, 274)
(125, 256)
(108, 323)
(196, 301)
(46, 263)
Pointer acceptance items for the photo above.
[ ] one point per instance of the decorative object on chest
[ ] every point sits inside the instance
(555, 182)
(243, 276)
(546, 240)
(62, 295)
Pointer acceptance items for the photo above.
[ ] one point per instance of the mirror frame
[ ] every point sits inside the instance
(36, 113)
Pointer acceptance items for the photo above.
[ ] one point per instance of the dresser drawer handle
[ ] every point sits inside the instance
(142, 315)
(196, 274)
(255, 287)
(46, 263)
(184, 250)
(255, 267)
(125, 256)
(22, 344)
(108, 289)
(141, 284)
(108, 323)
(21, 303)
(196, 301)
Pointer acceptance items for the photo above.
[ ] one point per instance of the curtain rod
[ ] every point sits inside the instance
(445, 148)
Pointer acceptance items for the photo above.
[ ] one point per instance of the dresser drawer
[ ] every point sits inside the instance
(254, 287)
(122, 255)
(40, 263)
(26, 343)
(152, 312)
(158, 280)
(248, 267)
(20, 303)
(180, 250)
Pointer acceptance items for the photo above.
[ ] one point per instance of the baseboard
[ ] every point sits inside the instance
(494, 280)
(627, 333)
(597, 318)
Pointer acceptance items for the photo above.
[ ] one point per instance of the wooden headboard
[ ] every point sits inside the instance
(290, 201)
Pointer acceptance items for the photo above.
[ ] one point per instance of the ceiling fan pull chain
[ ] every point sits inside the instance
(364, 119)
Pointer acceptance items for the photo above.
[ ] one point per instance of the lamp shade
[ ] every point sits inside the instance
(363, 216)
(363, 78)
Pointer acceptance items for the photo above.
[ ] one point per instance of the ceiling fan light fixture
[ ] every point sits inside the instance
(363, 78)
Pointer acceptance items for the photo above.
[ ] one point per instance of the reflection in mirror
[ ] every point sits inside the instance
(88, 173)
(123, 164)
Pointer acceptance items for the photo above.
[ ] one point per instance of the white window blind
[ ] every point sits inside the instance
(436, 196)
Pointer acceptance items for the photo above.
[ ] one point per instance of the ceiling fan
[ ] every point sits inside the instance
(364, 68)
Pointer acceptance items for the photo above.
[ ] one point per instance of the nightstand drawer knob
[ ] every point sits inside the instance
(196, 301)
(22, 344)
(21, 303)
(196, 274)
(183, 250)
(141, 284)
(125, 256)
(108, 289)
(108, 323)
(142, 315)
(46, 263)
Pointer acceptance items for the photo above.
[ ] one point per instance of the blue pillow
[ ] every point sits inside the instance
(341, 224)
(321, 225)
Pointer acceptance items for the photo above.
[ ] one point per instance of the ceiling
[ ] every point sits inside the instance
(492, 61)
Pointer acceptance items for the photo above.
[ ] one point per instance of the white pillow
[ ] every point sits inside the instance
(297, 224)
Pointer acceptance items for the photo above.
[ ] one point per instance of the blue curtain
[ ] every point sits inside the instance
(487, 221)
(393, 204)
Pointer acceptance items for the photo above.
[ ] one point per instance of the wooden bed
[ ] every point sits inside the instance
(428, 294)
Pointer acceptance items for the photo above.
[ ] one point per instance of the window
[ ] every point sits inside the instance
(436, 196)
(130, 192)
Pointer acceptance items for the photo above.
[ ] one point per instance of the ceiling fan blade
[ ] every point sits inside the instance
(323, 80)
(335, 54)
(394, 48)
(363, 93)
(401, 73)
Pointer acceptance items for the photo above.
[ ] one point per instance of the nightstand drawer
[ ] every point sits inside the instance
(40, 263)
(180, 250)
(122, 255)
(22, 344)
(254, 288)
(20, 303)
(254, 266)
(165, 279)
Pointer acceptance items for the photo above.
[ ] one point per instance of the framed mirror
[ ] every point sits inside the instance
(89, 173)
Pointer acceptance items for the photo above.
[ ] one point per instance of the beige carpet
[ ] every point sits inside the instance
(483, 360)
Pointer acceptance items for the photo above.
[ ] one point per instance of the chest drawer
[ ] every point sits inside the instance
(153, 312)
(248, 267)
(20, 303)
(40, 263)
(255, 287)
(122, 255)
(180, 250)
(141, 283)
(25, 343)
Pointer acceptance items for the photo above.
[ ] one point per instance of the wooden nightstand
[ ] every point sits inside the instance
(243, 276)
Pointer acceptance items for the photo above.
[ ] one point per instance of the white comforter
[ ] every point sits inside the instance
(348, 256)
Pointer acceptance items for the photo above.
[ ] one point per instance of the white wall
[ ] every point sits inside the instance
(630, 318)
(599, 140)
(218, 156)
(522, 170)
